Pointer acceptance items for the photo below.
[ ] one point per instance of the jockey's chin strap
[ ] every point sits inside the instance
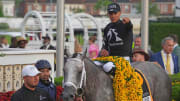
(83, 76)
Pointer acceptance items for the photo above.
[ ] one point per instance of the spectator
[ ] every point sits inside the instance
(4, 42)
(167, 59)
(137, 44)
(29, 90)
(117, 39)
(139, 55)
(93, 48)
(46, 43)
(77, 47)
(176, 49)
(45, 79)
(21, 42)
(13, 42)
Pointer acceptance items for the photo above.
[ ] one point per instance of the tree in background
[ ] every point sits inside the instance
(17, 8)
(153, 9)
(1, 10)
(102, 5)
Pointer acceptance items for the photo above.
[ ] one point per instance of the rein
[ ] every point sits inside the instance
(83, 76)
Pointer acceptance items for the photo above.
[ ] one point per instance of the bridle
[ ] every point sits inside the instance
(83, 76)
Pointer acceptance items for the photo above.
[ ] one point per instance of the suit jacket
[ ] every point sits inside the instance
(158, 58)
(50, 47)
(176, 51)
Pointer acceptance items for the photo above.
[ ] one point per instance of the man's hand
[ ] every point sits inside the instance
(125, 20)
(104, 52)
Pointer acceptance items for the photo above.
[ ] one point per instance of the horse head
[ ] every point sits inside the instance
(74, 77)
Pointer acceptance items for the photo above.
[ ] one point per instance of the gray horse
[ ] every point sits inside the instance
(83, 77)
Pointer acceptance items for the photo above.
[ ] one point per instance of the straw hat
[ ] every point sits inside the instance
(141, 51)
(22, 39)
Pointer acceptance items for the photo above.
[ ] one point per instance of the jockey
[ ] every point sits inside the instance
(118, 37)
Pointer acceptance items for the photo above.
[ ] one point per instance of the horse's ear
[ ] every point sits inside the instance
(67, 53)
(84, 54)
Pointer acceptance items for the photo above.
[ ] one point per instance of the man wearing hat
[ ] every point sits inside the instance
(139, 55)
(118, 36)
(29, 90)
(46, 43)
(21, 42)
(45, 81)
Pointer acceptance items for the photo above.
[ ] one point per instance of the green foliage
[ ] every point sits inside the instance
(176, 92)
(17, 2)
(102, 4)
(175, 77)
(175, 86)
(153, 9)
(78, 10)
(1, 10)
(58, 81)
(157, 31)
(4, 26)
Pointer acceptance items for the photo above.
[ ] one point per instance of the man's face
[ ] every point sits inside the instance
(45, 74)
(138, 57)
(114, 16)
(168, 46)
(22, 44)
(137, 42)
(46, 41)
(31, 81)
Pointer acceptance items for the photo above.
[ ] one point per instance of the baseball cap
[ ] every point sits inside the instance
(113, 7)
(41, 64)
(30, 70)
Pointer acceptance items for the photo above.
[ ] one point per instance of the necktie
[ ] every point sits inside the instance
(168, 68)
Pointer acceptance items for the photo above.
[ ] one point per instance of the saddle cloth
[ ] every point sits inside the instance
(145, 85)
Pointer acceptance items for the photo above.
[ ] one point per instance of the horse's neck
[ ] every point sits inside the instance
(95, 84)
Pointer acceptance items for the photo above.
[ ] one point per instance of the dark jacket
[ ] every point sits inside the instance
(51, 89)
(24, 94)
(118, 39)
(49, 48)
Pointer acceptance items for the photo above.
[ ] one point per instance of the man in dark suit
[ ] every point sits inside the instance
(46, 43)
(167, 59)
(176, 49)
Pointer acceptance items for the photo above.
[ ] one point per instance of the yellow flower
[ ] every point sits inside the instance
(126, 83)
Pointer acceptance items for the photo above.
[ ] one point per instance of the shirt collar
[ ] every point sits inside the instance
(25, 88)
(175, 45)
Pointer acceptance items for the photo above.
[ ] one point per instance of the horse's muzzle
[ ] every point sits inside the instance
(67, 97)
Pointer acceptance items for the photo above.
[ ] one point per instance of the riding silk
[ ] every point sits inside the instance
(118, 39)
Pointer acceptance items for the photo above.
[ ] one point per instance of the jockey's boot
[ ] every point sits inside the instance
(112, 72)
(109, 68)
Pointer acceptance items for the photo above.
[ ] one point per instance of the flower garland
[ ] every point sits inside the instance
(126, 83)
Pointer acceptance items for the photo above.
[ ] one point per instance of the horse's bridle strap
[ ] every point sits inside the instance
(83, 77)
(70, 84)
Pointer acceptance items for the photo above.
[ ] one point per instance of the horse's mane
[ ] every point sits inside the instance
(92, 70)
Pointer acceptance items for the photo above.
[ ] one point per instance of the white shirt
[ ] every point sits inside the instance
(164, 58)
(175, 45)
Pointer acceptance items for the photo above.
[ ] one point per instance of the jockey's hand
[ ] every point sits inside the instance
(125, 20)
(104, 52)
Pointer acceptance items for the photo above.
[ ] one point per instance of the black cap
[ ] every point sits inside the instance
(46, 37)
(113, 7)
